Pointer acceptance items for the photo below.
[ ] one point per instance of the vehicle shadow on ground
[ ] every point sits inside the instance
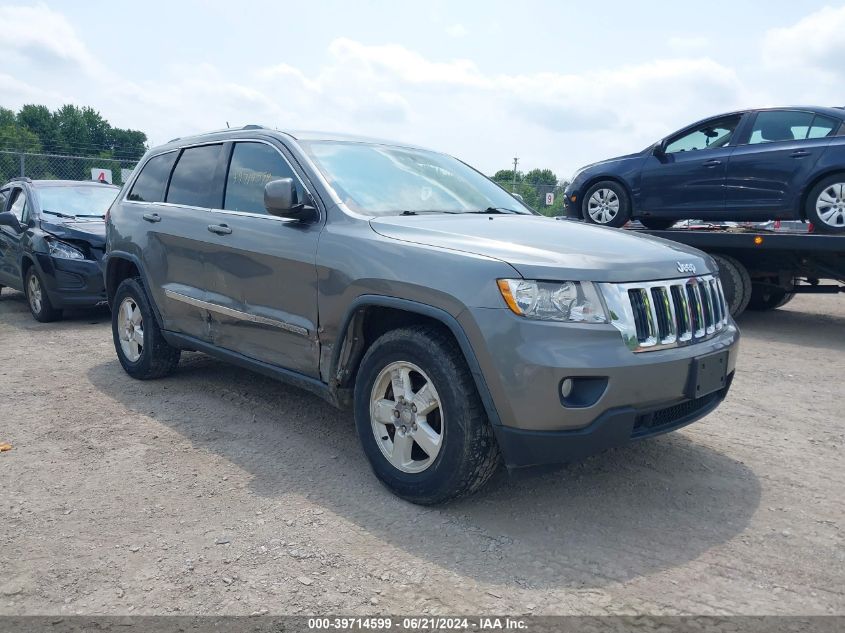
(807, 329)
(14, 302)
(620, 515)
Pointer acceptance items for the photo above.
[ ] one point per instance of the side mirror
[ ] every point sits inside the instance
(660, 149)
(280, 199)
(9, 219)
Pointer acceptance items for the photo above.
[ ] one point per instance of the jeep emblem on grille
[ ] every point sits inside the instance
(686, 268)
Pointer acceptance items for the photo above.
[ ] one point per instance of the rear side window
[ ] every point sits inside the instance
(773, 126)
(149, 187)
(192, 182)
(253, 165)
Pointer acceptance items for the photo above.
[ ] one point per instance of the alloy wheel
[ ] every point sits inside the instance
(603, 206)
(830, 205)
(130, 325)
(34, 294)
(406, 415)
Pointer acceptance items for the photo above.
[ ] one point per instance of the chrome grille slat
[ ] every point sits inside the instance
(668, 313)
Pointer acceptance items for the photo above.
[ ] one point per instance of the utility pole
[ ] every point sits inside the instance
(515, 163)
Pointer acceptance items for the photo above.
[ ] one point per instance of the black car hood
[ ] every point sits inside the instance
(615, 159)
(91, 231)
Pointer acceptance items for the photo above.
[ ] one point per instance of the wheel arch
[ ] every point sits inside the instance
(805, 194)
(369, 316)
(27, 262)
(120, 266)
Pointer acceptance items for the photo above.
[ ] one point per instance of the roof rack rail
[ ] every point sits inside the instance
(21, 179)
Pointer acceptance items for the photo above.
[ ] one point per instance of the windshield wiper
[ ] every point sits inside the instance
(61, 215)
(496, 210)
(90, 215)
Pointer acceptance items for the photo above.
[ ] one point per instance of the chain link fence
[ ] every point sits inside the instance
(61, 167)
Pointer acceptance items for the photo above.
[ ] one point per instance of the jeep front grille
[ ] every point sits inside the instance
(655, 315)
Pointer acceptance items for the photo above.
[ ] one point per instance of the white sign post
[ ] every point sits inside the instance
(550, 199)
(101, 175)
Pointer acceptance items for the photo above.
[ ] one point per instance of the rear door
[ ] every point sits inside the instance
(687, 179)
(173, 195)
(11, 240)
(262, 270)
(768, 170)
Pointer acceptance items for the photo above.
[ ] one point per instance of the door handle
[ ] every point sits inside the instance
(712, 163)
(799, 153)
(220, 229)
(152, 217)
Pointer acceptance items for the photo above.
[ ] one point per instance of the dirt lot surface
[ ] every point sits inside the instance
(220, 491)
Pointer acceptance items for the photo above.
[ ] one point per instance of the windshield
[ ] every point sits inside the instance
(82, 201)
(385, 180)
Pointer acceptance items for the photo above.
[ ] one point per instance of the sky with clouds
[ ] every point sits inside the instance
(558, 84)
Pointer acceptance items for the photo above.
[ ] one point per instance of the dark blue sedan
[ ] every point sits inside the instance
(755, 165)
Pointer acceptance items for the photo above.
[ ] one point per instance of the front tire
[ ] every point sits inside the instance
(419, 417)
(825, 206)
(36, 297)
(140, 346)
(606, 203)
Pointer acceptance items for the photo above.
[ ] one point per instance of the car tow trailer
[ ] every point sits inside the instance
(764, 269)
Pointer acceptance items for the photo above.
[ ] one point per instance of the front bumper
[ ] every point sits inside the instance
(72, 282)
(641, 394)
(573, 208)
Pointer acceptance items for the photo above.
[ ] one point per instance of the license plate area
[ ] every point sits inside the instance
(707, 374)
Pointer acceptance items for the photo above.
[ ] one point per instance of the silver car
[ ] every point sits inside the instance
(462, 329)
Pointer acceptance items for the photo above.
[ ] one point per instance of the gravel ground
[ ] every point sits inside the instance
(219, 491)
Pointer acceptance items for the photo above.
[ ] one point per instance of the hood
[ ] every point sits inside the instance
(91, 231)
(610, 161)
(543, 248)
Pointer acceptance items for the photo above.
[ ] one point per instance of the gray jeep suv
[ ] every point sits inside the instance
(462, 328)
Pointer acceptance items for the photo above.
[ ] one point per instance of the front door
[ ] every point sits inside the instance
(10, 239)
(769, 169)
(262, 276)
(685, 178)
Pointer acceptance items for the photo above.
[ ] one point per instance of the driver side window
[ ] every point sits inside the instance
(19, 207)
(709, 135)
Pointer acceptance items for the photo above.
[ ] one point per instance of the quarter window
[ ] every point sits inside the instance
(192, 182)
(708, 136)
(253, 165)
(151, 182)
(774, 126)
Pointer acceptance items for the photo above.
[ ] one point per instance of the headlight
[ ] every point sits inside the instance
(65, 251)
(573, 301)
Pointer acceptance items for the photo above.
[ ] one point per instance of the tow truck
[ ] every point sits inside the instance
(764, 266)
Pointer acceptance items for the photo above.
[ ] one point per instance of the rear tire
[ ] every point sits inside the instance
(140, 346)
(765, 298)
(825, 206)
(657, 224)
(36, 297)
(606, 203)
(442, 449)
(736, 282)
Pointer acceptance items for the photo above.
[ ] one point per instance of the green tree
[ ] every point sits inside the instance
(541, 177)
(39, 120)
